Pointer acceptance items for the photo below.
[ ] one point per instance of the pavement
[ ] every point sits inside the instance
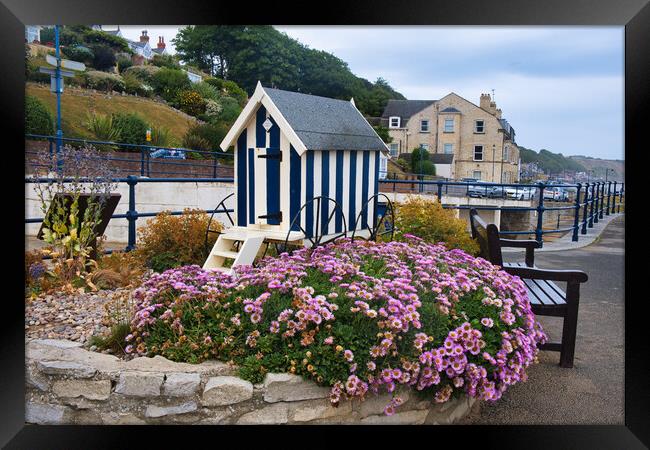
(592, 392)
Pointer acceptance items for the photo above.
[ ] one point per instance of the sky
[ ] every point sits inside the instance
(561, 88)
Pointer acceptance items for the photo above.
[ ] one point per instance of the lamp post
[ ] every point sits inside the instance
(493, 156)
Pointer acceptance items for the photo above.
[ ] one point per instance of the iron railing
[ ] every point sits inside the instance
(591, 203)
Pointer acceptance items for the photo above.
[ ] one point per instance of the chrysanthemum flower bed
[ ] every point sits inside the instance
(358, 317)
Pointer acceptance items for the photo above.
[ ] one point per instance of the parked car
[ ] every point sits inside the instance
(497, 192)
(520, 193)
(477, 188)
(557, 194)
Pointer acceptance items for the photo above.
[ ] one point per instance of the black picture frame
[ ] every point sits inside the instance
(634, 15)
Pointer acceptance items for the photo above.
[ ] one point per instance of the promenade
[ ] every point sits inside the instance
(593, 391)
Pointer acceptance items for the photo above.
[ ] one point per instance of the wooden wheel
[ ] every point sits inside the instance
(320, 224)
(383, 221)
(221, 208)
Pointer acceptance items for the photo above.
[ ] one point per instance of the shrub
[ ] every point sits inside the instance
(428, 220)
(103, 81)
(230, 109)
(165, 61)
(206, 90)
(420, 162)
(160, 136)
(79, 53)
(230, 88)
(103, 57)
(191, 102)
(123, 63)
(133, 86)
(103, 127)
(119, 269)
(38, 119)
(206, 136)
(171, 241)
(169, 82)
(212, 110)
(358, 317)
(142, 73)
(133, 129)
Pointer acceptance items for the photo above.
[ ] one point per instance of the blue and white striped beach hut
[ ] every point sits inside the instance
(291, 148)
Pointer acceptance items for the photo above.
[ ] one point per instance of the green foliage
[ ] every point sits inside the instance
(123, 63)
(47, 34)
(103, 127)
(38, 119)
(205, 137)
(143, 73)
(133, 129)
(160, 136)
(421, 162)
(169, 82)
(104, 57)
(246, 54)
(133, 86)
(79, 53)
(191, 102)
(229, 88)
(428, 220)
(383, 133)
(103, 81)
(550, 162)
(168, 61)
(230, 109)
(206, 90)
(115, 341)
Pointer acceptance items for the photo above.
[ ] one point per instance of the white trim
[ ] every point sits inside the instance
(482, 152)
(260, 97)
(390, 122)
(386, 150)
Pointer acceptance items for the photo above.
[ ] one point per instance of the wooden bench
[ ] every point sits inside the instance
(546, 297)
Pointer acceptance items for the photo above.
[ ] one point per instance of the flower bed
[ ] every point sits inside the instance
(356, 317)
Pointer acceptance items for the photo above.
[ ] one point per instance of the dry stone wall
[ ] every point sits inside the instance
(66, 384)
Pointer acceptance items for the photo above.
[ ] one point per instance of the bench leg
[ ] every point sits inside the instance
(570, 326)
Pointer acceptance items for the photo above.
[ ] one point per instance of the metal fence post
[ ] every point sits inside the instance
(601, 201)
(214, 165)
(620, 199)
(576, 215)
(609, 195)
(141, 161)
(584, 213)
(131, 214)
(540, 213)
(614, 199)
(440, 192)
(591, 207)
(597, 201)
(149, 162)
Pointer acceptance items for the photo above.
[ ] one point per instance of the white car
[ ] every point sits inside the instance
(520, 193)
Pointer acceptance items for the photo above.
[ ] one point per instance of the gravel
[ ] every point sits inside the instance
(75, 317)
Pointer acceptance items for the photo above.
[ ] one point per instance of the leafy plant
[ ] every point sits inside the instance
(133, 86)
(103, 57)
(206, 90)
(143, 73)
(168, 61)
(133, 129)
(171, 241)
(38, 119)
(160, 136)
(103, 81)
(191, 102)
(169, 82)
(123, 63)
(428, 220)
(205, 137)
(79, 53)
(103, 128)
(421, 163)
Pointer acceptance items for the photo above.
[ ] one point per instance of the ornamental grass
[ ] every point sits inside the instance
(361, 317)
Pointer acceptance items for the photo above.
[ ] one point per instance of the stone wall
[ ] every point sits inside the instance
(66, 384)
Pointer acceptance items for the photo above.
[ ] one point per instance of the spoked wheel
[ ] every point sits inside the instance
(221, 208)
(321, 225)
(383, 221)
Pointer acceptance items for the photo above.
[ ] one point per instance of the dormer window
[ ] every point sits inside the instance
(394, 122)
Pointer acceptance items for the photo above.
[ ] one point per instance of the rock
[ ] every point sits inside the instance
(161, 411)
(121, 419)
(273, 414)
(35, 379)
(226, 390)
(403, 418)
(58, 343)
(318, 409)
(181, 384)
(69, 368)
(139, 384)
(43, 414)
(287, 387)
(375, 404)
(92, 390)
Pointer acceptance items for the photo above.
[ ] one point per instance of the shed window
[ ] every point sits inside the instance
(394, 122)
(449, 125)
(424, 126)
(478, 153)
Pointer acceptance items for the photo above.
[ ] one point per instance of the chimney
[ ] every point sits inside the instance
(161, 42)
(485, 102)
(144, 37)
(498, 114)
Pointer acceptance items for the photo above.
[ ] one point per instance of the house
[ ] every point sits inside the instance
(142, 49)
(32, 33)
(305, 166)
(481, 141)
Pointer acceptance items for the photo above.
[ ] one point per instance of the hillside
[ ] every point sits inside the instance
(554, 163)
(76, 103)
(599, 166)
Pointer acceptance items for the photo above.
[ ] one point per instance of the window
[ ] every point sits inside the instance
(478, 153)
(394, 122)
(449, 148)
(506, 153)
(424, 126)
(424, 147)
(479, 126)
(449, 125)
(394, 149)
(476, 174)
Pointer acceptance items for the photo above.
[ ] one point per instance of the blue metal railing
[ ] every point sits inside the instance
(594, 200)
(143, 165)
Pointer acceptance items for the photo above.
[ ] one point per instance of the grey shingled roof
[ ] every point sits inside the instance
(405, 108)
(451, 109)
(324, 123)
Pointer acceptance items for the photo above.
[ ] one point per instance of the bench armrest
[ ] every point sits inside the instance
(551, 275)
(529, 244)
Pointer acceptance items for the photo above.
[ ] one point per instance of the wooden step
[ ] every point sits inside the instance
(225, 254)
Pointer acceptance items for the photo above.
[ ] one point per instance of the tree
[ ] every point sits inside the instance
(421, 163)
(103, 57)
